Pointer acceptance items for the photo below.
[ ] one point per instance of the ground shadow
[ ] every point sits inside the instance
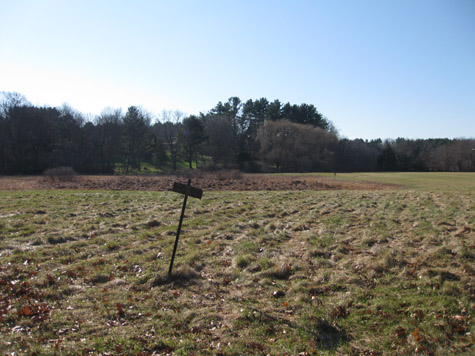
(328, 336)
(182, 277)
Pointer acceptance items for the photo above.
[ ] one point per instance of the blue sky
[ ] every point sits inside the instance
(376, 69)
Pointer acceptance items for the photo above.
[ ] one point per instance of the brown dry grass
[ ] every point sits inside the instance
(208, 181)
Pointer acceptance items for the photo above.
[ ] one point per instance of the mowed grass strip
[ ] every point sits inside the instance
(460, 181)
(310, 273)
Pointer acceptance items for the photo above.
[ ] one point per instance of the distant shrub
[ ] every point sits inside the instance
(60, 174)
(256, 167)
(229, 175)
(210, 174)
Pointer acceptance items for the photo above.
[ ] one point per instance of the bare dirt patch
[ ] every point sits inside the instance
(206, 181)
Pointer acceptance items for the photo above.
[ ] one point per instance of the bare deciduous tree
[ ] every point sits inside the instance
(296, 147)
(171, 132)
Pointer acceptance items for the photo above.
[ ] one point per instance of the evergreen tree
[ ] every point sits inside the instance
(160, 157)
(192, 135)
(135, 132)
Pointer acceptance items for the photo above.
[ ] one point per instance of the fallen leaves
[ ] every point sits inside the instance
(23, 299)
(120, 310)
(417, 335)
(400, 332)
(417, 314)
(340, 311)
(37, 312)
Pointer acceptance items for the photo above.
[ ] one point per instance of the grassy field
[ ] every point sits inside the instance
(411, 180)
(257, 273)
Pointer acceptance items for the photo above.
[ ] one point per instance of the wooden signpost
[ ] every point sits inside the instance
(187, 190)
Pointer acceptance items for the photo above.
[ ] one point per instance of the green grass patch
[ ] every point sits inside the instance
(420, 180)
(301, 272)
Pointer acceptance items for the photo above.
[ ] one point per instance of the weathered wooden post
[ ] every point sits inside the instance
(187, 190)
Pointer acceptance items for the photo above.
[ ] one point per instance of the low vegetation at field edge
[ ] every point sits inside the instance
(301, 272)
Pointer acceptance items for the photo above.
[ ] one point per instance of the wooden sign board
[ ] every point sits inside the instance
(187, 190)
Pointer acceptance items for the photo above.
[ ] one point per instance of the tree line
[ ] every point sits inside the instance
(255, 136)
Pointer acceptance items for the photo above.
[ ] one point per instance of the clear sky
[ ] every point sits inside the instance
(376, 69)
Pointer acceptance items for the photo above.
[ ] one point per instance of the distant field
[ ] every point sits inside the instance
(328, 272)
(436, 180)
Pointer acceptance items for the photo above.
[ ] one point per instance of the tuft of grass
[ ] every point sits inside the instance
(281, 272)
(242, 261)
